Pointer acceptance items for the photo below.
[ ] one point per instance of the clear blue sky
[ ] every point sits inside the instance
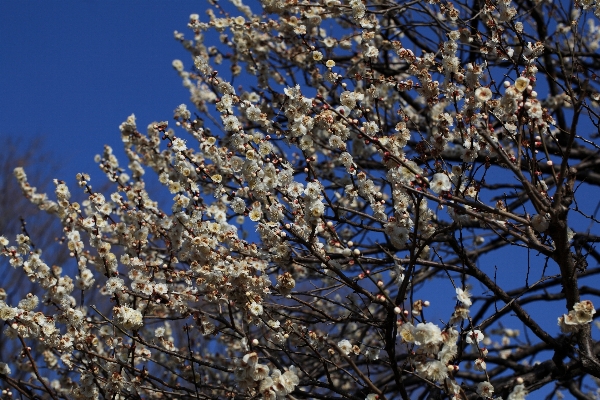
(72, 71)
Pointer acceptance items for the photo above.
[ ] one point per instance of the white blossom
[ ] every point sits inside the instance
(440, 183)
(485, 389)
(464, 297)
(474, 337)
(521, 83)
(345, 346)
(483, 93)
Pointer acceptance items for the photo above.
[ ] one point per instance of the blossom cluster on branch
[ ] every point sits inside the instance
(336, 192)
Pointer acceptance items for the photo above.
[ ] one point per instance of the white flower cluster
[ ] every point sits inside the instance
(432, 341)
(581, 314)
(250, 374)
(128, 318)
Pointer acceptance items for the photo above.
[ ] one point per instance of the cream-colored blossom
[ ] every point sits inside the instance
(521, 83)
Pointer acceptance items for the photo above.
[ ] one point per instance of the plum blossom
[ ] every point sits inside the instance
(256, 309)
(464, 297)
(345, 346)
(485, 389)
(4, 369)
(521, 83)
(434, 370)
(128, 318)
(474, 337)
(427, 334)
(581, 314)
(518, 393)
(440, 183)
(483, 93)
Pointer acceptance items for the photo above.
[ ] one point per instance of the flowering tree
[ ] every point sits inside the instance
(369, 200)
(16, 212)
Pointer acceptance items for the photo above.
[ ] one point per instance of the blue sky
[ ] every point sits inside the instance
(72, 71)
